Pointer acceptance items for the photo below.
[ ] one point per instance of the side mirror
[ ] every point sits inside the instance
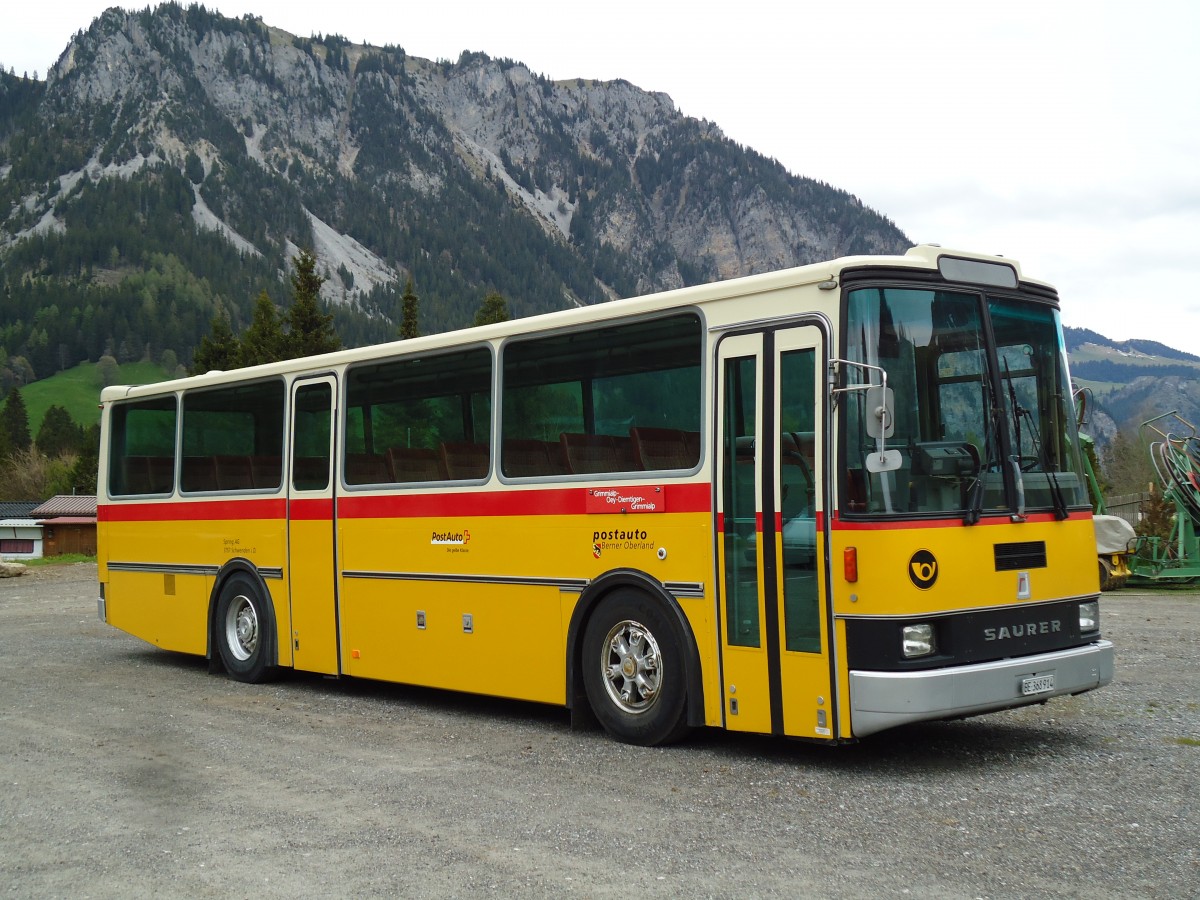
(881, 424)
(880, 412)
(884, 461)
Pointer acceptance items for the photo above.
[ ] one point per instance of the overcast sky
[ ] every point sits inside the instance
(1065, 135)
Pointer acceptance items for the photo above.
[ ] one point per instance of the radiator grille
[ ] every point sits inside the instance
(1020, 555)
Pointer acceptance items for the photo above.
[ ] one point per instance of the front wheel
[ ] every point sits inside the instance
(243, 629)
(633, 671)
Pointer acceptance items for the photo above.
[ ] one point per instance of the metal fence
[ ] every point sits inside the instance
(1127, 506)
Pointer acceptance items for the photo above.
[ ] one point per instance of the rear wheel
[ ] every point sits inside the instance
(243, 630)
(633, 671)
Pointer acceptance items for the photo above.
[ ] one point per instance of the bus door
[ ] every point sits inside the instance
(774, 607)
(312, 578)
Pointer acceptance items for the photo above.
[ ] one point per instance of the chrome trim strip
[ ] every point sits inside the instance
(693, 589)
(945, 614)
(163, 568)
(567, 585)
(272, 572)
(880, 700)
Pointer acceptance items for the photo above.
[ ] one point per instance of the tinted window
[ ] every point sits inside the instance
(623, 398)
(233, 438)
(142, 447)
(420, 419)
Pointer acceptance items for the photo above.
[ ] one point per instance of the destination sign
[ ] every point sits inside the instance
(641, 499)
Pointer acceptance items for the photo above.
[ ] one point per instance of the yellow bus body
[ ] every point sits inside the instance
(489, 586)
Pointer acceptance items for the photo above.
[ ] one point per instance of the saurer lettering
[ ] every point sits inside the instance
(1023, 629)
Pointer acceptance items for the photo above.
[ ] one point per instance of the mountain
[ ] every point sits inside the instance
(174, 161)
(1131, 382)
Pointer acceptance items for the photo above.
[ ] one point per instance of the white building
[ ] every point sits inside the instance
(20, 534)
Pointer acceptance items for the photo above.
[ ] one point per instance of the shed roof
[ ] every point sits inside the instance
(17, 509)
(67, 505)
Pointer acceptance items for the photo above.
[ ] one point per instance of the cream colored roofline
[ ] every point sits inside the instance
(922, 256)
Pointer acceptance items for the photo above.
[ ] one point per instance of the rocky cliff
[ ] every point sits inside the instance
(177, 140)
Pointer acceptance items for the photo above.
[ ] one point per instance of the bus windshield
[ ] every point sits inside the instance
(980, 427)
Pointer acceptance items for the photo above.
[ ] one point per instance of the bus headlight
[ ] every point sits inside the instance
(917, 640)
(1089, 616)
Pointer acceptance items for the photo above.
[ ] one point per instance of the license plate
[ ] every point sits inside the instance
(1038, 684)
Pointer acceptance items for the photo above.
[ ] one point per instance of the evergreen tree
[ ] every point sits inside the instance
(310, 331)
(83, 473)
(14, 422)
(409, 327)
(263, 341)
(58, 434)
(494, 309)
(218, 349)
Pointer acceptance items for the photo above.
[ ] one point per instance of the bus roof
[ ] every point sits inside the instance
(921, 256)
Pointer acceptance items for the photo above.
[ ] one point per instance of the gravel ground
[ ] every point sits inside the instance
(126, 771)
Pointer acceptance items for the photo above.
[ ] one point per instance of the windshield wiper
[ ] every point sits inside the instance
(1019, 412)
(991, 453)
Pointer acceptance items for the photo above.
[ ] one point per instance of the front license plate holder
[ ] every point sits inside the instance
(1037, 684)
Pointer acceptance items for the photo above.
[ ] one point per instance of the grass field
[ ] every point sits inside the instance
(66, 559)
(78, 391)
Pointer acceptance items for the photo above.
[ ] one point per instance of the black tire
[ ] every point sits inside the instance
(244, 625)
(634, 671)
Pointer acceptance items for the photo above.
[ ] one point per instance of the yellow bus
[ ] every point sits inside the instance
(819, 503)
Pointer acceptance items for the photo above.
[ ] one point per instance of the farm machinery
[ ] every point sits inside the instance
(1174, 559)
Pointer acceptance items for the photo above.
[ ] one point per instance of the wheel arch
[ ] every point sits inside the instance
(240, 566)
(592, 595)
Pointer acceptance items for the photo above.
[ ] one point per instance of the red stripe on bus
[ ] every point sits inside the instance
(192, 510)
(319, 510)
(680, 498)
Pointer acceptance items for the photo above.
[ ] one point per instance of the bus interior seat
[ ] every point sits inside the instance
(147, 475)
(462, 460)
(525, 457)
(664, 448)
(266, 471)
(595, 453)
(367, 468)
(233, 473)
(414, 464)
(199, 474)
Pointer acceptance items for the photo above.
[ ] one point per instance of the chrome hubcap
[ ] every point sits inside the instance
(631, 665)
(241, 627)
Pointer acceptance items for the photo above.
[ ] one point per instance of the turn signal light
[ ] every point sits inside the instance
(850, 563)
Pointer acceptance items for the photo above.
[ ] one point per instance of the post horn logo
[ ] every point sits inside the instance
(923, 569)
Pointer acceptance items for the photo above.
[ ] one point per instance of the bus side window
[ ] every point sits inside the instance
(142, 447)
(420, 419)
(225, 429)
(621, 398)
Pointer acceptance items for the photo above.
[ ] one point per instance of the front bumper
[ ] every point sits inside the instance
(880, 700)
